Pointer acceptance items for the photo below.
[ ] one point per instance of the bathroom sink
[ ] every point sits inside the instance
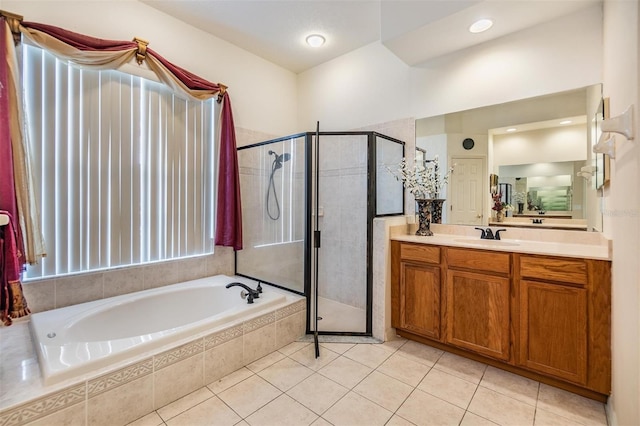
(479, 242)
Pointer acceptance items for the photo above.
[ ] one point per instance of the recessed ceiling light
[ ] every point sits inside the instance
(565, 122)
(512, 129)
(315, 40)
(481, 25)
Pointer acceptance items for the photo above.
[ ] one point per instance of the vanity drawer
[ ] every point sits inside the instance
(572, 271)
(479, 260)
(420, 253)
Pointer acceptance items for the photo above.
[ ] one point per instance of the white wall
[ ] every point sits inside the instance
(622, 208)
(263, 95)
(541, 146)
(371, 85)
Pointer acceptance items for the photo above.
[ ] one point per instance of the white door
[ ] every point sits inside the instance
(467, 189)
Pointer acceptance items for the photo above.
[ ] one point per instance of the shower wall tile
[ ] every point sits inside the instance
(123, 280)
(115, 406)
(178, 379)
(76, 289)
(40, 295)
(223, 359)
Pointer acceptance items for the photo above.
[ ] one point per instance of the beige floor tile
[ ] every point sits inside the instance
(346, 372)
(404, 369)
(368, 354)
(569, 405)
(151, 419)
(509, 384)
(321, 422)
(317, 393)
(307, 357)
(449, 388)
(338, 348)
(282, 411)
(230, 380)
(396, 420)
(471, 419)
(547, 418)
(183, 404)
(501, 409)
(464, 368)
(420, 353)
(249, 395)
(293, 347)
(211, 412)
(393, 345)
(285, 374)
(354, 410)
(385, 391)
(424, 409)
(265, 361)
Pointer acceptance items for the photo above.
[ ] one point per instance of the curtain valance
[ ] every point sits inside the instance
(91, 52)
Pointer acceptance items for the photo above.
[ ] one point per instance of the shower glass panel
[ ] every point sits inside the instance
(272, 178)
(389, 190)
(343, 223)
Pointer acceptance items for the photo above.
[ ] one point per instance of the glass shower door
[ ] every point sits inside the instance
(343, 223)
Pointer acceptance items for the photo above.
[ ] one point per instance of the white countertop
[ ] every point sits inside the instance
(598, 251)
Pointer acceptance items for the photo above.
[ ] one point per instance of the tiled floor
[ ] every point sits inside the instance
(395, 383)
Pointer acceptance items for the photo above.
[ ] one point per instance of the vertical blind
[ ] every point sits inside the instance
(125, 167)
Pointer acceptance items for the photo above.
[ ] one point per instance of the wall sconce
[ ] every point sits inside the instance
(587, 172)
(622, 124)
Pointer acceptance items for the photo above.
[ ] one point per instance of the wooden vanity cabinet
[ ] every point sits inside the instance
(545, 317)
(477, 302)
(416, 297)
(565, 319)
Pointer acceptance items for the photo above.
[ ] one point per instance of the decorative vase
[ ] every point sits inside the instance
(436, 210)
(500, 216)
(520, 208)
(424, 217)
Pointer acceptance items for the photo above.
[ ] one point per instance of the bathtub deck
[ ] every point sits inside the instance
(150, 379)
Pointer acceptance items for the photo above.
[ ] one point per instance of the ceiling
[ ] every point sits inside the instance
(416, 31)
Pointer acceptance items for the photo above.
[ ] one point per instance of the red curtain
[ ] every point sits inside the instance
(229, 213)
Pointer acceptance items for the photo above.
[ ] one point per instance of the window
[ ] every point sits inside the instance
(124, 167)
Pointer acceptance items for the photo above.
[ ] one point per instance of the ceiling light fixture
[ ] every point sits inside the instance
(315, 40)
(512, 129)
(565, 122)
(481, 25)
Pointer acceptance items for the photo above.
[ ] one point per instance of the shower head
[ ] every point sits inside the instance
(284, 157)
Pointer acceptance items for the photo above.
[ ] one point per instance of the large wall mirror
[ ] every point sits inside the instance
(539, 149)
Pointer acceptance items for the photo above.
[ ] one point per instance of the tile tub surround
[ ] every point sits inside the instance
(51, 293)
(152, 381)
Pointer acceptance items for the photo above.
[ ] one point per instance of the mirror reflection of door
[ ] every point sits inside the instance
(467, 190)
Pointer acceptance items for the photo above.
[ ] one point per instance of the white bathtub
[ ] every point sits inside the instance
(82, 338)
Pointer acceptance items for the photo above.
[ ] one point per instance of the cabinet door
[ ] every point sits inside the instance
(477, 313)
(420, 299)
(553, 330)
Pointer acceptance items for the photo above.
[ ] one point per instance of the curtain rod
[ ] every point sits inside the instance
(14, 24)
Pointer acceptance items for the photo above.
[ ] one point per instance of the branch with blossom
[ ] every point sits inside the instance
(419, 180)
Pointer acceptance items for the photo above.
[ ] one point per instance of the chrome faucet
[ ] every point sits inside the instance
(248, 293)
(489, 235)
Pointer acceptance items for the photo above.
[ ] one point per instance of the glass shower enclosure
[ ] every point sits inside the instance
(298, 208)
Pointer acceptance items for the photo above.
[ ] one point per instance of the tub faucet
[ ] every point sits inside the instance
(248, 293)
